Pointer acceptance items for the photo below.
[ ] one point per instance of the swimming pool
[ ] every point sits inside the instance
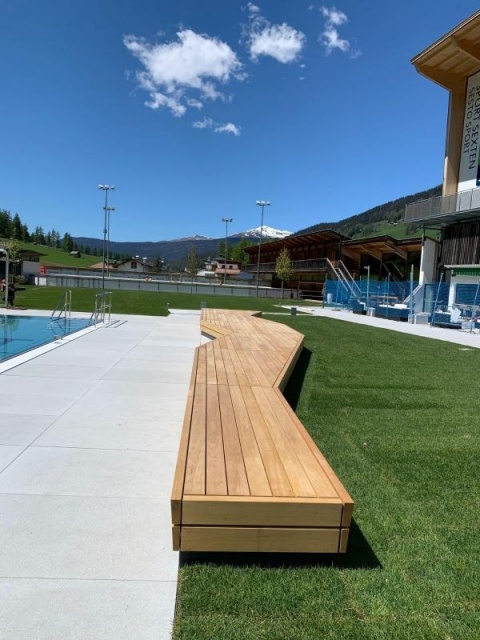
(19, 334)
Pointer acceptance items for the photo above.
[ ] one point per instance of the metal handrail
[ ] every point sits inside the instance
(64, 306)
(355, 289)
(102, 307)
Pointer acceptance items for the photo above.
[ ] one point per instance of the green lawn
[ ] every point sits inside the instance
(397, 417)
(58, 257)
(138, 302)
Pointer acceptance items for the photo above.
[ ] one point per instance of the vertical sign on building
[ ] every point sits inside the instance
(469, 175)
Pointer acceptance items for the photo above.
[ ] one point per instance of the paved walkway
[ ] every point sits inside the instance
(89, 435)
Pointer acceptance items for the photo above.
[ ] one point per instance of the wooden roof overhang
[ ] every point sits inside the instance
(381, 245)
(290, 242)
(456, 56)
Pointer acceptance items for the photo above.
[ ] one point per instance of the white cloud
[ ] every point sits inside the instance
(330, 37)
(193, 102)
(195, 63)
(252, 8)
(331, 40)
(229, 127)
(279, 41)
(206, 123)
(217, 127)
(333, 17)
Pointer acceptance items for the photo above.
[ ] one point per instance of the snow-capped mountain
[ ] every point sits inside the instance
(268, 232)
(190, 238)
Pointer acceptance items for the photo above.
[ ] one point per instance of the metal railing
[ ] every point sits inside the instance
(442, 205)
(338, 270)
(64, 307)
(102, 307)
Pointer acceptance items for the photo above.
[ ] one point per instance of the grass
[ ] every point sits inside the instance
(59, 258)
(139, 302)
(397, 417)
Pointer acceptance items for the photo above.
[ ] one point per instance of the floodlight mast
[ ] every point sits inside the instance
(106, 188)
(226, 221)
(262, 204)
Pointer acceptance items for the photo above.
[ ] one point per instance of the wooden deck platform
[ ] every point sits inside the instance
(249, 477)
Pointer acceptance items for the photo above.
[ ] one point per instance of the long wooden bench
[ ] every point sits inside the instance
(249, 477)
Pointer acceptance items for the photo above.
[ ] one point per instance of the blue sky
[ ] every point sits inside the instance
(196, 109)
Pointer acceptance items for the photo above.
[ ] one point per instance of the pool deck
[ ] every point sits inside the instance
(89, 432)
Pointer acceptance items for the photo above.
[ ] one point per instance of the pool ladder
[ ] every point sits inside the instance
(62, 311)
(103, 307)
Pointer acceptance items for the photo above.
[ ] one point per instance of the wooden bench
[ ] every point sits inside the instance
(249, 477)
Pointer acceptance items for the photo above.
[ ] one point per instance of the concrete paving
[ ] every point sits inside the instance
(89, 433)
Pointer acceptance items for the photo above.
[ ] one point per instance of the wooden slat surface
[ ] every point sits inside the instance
(271, 512)
(260, 539)
(245, 460)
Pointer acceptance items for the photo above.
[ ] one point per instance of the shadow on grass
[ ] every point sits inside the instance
(294, 386)
(360, 555)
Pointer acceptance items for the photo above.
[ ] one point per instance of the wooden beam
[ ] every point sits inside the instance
(446, 80)
(376, 254)
(400, 252)
(471, 49)
(351, 254)
(262, 539)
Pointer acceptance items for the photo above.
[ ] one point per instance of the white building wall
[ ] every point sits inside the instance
(30, 268)
(428, 262)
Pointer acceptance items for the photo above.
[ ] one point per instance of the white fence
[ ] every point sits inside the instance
(72, 281)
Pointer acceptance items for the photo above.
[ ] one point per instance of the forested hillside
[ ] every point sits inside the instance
(381, 219)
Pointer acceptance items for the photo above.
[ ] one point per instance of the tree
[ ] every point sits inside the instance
(38, 236)
(5, 224)
(283, 266)
(16, 227)
(14, 249)
(192, 265)
(67, 243)
(238, 253)
(158, 264)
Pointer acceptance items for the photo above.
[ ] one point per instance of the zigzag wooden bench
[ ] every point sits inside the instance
(248, 476)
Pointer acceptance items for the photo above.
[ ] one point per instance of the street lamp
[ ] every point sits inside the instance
(368, 285)
(226, 221)
(106, 188)
(262, 204)
(108, 238)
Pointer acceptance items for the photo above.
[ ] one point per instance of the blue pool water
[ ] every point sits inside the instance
(19, 334)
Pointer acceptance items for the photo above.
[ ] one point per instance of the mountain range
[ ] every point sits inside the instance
(174, 252)
(382, 219)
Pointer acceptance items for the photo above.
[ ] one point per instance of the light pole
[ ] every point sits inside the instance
(226, 221)
(106, 188)
(6, 275)
(368, 285)
(262, 204)
(109, 209)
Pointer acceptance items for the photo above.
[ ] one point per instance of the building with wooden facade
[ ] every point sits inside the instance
(453, 62)
(324, 254)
